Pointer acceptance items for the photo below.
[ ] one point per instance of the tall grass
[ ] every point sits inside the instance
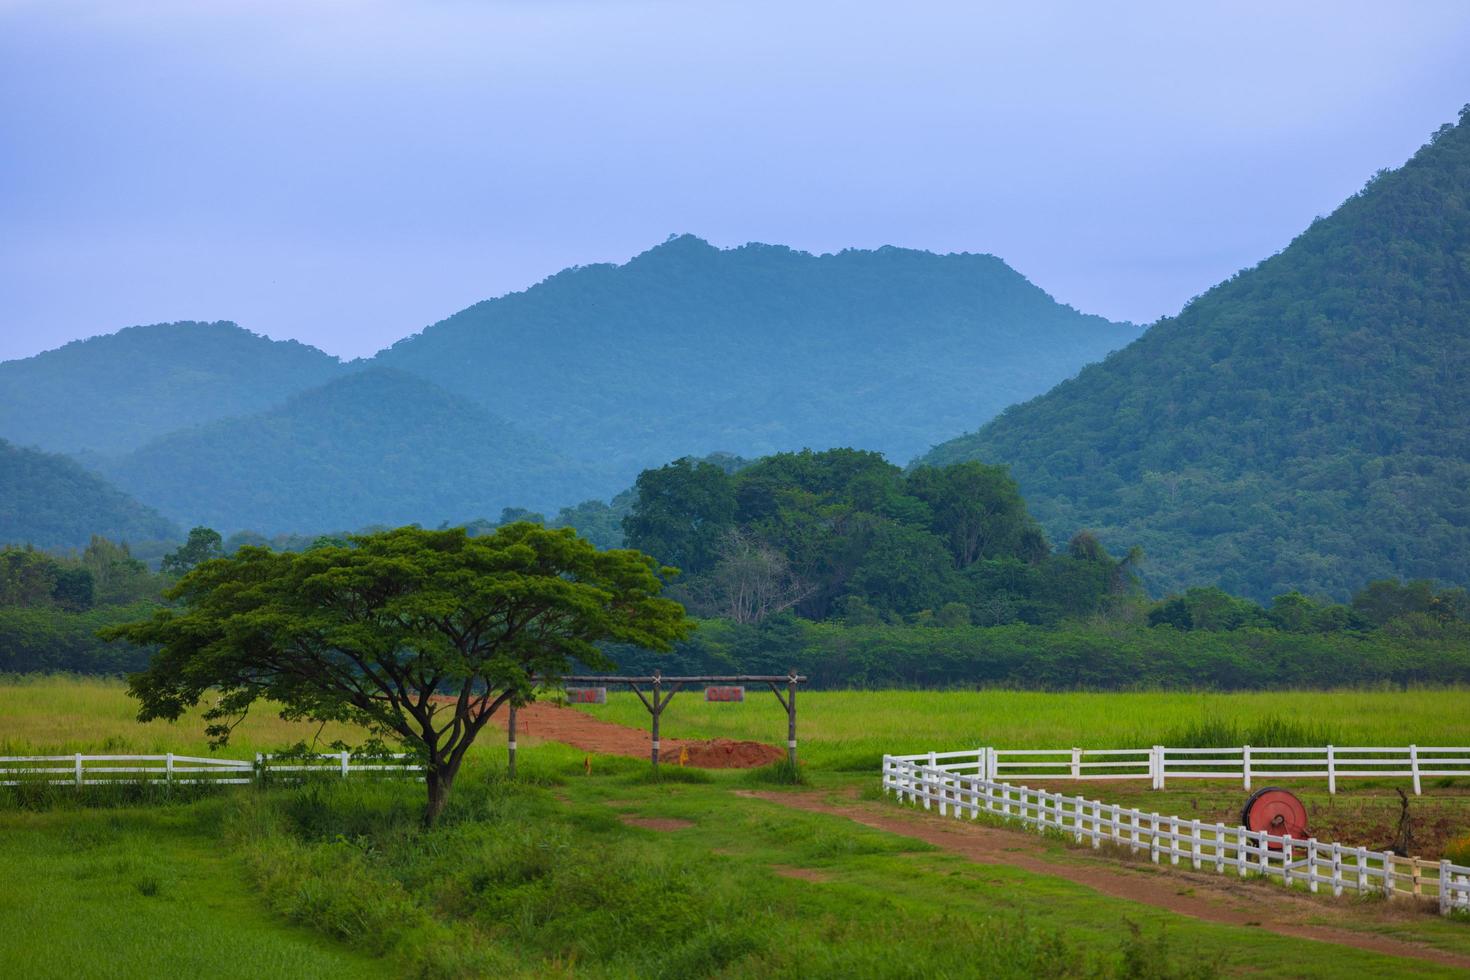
(1271, 731)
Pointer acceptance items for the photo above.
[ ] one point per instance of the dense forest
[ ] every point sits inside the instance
(113, 393)
(846, 533)
(1304, 425)
(559, 393)
(689, 348)
(372, 447)
(858, 573)
(51, 502)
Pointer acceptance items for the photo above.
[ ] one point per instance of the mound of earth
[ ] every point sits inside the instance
(724, 753)
(558, 724)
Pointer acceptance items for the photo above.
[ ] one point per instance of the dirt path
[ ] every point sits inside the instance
(1214, 898)
(557, 724)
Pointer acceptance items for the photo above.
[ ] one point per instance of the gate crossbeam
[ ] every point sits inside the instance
(663, 689)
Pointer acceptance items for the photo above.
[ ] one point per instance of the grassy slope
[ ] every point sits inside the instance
(550, 878)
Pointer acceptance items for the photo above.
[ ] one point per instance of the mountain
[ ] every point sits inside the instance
(1305, 424)
(373, 447)
(51, 502)
(689, 348)
(111, 394)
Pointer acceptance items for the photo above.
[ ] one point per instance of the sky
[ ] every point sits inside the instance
(346, 173)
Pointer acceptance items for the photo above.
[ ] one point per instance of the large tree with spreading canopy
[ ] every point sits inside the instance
(417, 636)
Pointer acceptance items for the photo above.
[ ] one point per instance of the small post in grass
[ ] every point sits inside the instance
(510, 745)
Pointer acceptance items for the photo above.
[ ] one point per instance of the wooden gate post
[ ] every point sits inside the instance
(791, 719)
(658, 709)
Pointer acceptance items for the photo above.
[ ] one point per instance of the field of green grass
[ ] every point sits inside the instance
(612, 874)
(853, 729)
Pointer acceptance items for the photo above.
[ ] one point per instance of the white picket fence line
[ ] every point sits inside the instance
(1225, 849)
(108, 770)
(1249, 764)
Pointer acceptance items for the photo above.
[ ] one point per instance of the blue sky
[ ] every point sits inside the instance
(347, 172)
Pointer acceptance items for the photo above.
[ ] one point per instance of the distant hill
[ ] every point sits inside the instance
(1305, 424)
(689, 348)
(113, 393)
(372, 447)
(51, 502)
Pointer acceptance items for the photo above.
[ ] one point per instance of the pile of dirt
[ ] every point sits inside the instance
(554, 723)
(724, 753)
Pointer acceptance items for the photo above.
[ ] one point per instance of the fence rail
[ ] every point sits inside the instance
(106, 770)
(1249, 764)
(1226, 850)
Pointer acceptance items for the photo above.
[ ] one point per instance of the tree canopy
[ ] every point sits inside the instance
(418, 636)
(845, 533)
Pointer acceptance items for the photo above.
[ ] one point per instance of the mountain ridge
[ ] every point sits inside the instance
(113, 392)
(50, 501)
(1303, 424)
(332, 457)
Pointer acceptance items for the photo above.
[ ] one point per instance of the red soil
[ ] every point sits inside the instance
(557, 724)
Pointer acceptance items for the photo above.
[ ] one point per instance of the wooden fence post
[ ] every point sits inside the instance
(344, 763)
(1446, 883)
(79, 769)
(1331, 771)
(1414, 767)
(1245, 758)
(168, 769)
(1076, 763)
(1388, 874)
(510, 745)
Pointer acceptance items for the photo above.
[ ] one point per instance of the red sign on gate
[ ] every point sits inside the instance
(587, 695)
(724, 694)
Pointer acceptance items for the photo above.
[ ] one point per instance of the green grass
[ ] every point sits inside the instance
(54, 715)
(144, 892)
(851, 730)
(554, 875)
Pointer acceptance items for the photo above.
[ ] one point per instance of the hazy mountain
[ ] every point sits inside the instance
(51, 502)
(1304, 424)
(372, 447)
(689, 348)
(111, 394)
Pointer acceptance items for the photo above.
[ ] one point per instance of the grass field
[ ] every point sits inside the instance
(853, 729)
(614, 874)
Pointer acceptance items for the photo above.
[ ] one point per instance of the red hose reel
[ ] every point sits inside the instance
(1277, 812)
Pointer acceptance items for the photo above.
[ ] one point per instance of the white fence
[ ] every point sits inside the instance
(1248, 764)
(108, 770)
(1226, 850)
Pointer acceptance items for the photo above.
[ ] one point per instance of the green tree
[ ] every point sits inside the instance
(418, 636)
(977, 509)
(203, 544)
(682, 513)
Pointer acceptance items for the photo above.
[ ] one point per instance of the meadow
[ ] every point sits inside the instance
(616, 874)
(853, 729)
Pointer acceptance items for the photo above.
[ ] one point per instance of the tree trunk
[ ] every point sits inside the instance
(439, 777)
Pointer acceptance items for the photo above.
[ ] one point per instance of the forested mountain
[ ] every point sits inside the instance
(373, 447)
(689, 348)
(111, 394)
(51, 502)
(1305, 424)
